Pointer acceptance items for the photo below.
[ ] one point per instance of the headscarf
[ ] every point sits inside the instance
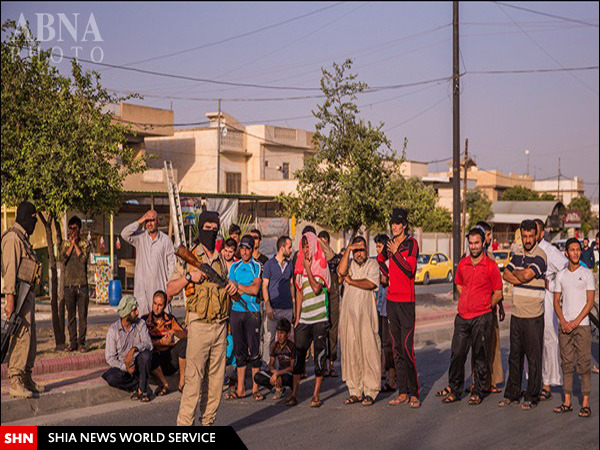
(319, 267)
(127, 304)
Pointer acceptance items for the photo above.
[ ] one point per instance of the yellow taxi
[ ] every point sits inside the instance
(502, 258)
(433, 266)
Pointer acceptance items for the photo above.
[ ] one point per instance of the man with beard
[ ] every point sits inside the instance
(526, 272)
(359, 336)
(479, 285)
(129, 351)
(551, 371)
(207, 307)
(19, 266)
(154, 259)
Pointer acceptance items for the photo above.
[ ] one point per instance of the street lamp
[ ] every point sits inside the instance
(527, 154)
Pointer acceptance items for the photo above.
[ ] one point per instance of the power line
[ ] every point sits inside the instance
(546, 52)
(548, 15)
(222, 41)
(561, 69)
(418, 114)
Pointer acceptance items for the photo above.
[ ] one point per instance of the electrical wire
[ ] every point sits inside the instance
(548, 15)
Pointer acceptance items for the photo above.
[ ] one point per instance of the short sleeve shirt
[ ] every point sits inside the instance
(283, 354)
(574, 286)
(478, 283)
(280, 294)
(528, 298)
(244, 274)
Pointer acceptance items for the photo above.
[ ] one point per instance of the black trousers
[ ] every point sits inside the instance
(168, 360)
(245, 329)
(306, 334)
(77, 301)
(472, 333)
(526, 340)
(263, 378)
(334, 318)
(121, 379)
(401, 317)
(386, 343)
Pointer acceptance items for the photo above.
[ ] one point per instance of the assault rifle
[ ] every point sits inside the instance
(11, 326)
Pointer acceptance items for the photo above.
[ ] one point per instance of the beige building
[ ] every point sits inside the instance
(256, 159)
(566, 191)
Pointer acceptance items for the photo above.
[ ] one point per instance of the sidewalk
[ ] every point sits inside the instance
(74, 380)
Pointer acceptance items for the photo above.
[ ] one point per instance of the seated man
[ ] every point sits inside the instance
(168, 355)
(283, 351)
(129, 351)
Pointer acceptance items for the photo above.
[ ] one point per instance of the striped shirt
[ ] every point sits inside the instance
(528, 298)
(314, 307)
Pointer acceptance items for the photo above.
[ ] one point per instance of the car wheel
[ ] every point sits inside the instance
(426, 278)
(449, 277)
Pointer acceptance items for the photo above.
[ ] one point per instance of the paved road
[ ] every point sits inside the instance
(380, 426)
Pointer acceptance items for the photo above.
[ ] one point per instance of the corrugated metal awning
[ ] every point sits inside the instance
(516, 218)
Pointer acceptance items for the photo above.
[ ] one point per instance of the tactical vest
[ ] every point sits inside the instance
(29, 269)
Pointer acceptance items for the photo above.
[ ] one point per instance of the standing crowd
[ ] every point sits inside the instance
(277, 313)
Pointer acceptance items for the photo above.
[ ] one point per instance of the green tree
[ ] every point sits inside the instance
(60, 148)
(440, 221)
(588, 220)
(345, 185)
(519, 194)
(547, 197)
(479, 207)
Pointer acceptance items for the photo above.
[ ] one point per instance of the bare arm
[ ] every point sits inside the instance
(563, 323)
(459, 289)
(344, 265)
(251, 289)
(496, 297)
(361, 284)
(586, 309)
(299, 297)
(314, 284)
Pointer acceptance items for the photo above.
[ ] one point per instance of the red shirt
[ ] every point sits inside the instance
(478, 284)
(403, 266)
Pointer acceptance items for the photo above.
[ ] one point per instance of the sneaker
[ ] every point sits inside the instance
(18, 389)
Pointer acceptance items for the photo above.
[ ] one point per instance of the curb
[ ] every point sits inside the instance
(66, 364)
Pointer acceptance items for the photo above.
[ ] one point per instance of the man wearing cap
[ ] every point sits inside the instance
(74, 254)
(17, 255)
(207, 306)
(245, 317)
(129, 351)
(154, 259)
(403, 252)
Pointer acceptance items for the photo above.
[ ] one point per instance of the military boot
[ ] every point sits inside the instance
(18, 389)
(32, 385)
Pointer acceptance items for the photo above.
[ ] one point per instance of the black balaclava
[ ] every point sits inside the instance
(208, 238)
(26, 217)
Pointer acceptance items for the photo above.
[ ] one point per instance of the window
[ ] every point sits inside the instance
(285, 170)
(442, 258)
(233, 182)
(436, 257)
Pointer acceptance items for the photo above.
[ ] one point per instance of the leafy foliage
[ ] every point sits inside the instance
(519, 193)
(589, 221)
(479, 207)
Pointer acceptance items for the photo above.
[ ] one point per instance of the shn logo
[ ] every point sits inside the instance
(18, 438)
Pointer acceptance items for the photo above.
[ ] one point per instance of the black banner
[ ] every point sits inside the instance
(138, 437)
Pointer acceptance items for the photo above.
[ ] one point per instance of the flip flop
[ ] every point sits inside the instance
(451, 398)
(396, 401)
(416, 403)
(257, 396)
(315, 403)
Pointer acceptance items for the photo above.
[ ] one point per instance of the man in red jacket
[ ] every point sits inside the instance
(403, 251)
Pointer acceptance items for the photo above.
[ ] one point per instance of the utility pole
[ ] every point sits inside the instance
(456, 237)
(219, 149)
(558, 182)
(464, 204)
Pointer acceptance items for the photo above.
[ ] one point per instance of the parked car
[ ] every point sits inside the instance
(502, 258)
(433, 266)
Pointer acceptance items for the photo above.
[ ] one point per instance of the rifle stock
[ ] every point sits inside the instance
(12, 325)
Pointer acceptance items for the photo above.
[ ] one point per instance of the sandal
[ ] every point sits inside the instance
(161, 390)
(451, 398)
(444, 392)
(232, 395)
(368, 401)
(352, 399)
(545, 395)
(144, 398)
(495, 390)
(278, 394)
(257, 396)
(415, 403)
(292, 401)
(387, 388)
(315, 403)
(585, 412)
(528, 405)
(563, 409)
(507, 402)
(396, 401)
(475, 400)
(135, 395)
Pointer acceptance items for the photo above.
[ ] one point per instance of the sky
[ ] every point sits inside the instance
(553, 113)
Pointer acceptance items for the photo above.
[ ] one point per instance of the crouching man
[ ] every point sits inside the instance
(129, 351)
(169, 341)
(283, 351)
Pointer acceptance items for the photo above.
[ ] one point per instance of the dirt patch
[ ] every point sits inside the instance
(96, 341)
